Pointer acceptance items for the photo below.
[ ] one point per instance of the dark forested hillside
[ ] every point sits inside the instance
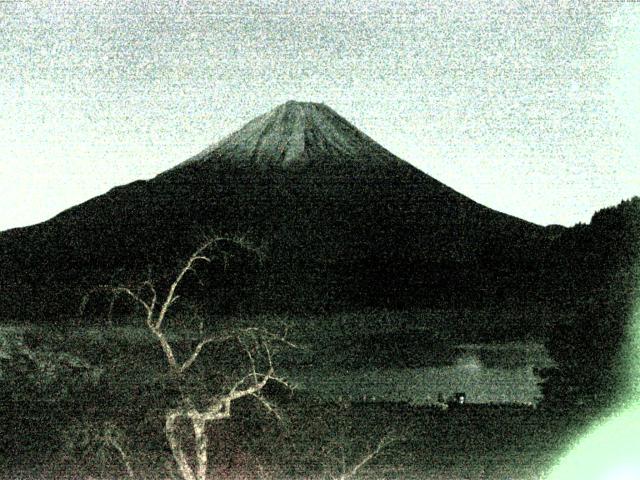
(596, 274)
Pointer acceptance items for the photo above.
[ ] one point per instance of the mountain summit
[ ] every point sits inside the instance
(297, 134)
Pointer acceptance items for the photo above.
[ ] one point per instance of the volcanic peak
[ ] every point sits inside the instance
(296, 133)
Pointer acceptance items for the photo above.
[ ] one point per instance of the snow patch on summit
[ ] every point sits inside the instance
(297, 133)
(291, 133)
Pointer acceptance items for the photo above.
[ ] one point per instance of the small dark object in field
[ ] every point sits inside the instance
(458, 400)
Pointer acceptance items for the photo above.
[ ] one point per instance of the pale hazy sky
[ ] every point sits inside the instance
(529, 107)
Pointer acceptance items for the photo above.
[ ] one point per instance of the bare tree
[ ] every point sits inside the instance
(257, 343)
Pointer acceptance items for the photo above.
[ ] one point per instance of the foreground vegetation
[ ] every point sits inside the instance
(315, 440)
(89, 401)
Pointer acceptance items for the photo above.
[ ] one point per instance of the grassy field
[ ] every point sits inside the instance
(61, 385)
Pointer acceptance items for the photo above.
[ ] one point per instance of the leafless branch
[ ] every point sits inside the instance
(196, 351)
(384, 442)
(154, 295)
(269, 407)
(118, 290)
(164, 344)
(236, 392)
(197, 256)
(109, 438)
(285, 383)
(251, 360)
(269, 335)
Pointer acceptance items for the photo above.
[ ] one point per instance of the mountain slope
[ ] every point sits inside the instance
(348, 224)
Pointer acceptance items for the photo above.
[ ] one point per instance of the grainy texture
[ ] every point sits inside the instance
(434, 335)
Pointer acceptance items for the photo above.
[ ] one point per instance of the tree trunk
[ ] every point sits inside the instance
(199, 426)
(186, 472)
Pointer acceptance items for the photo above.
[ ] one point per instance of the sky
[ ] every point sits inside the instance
(528, 107)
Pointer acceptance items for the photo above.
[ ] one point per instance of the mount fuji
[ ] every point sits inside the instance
(347, 224)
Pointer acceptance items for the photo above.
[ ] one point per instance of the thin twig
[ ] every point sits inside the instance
(384, 442)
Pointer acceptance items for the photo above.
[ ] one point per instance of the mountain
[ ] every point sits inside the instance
(347, 225)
